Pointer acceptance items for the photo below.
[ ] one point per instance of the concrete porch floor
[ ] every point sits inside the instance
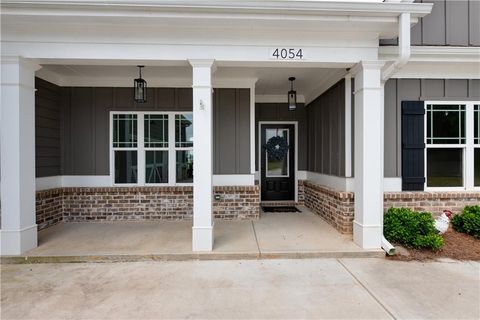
(302, 234)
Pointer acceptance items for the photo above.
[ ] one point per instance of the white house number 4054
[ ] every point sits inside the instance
(287, 54)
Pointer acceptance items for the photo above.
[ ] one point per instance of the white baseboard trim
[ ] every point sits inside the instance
(233, 180)
(17, 242)
(392, 184)
(86, 181)
(45, 183)
(333, 182)
(302, 175)
(348, 184)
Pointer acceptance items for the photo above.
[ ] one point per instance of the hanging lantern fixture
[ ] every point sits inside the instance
(140, 87)
(292, 96)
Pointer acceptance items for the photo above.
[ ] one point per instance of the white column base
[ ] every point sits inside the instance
(367, 237)
(16, 242)
(202, 238)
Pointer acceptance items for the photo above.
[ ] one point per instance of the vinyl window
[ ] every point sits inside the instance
(151, 148)
(451, 133)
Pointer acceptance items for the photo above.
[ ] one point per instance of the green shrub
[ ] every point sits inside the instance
(411, 229)
(468, 221)
(432, 241)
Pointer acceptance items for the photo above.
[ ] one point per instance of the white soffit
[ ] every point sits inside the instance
(437, 62)
(269, 82)
(377, 18)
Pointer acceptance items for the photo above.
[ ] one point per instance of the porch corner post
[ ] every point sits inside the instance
(18, 232)
(202, 230)
(368, 139)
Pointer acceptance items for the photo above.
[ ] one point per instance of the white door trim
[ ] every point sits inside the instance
(259, 150)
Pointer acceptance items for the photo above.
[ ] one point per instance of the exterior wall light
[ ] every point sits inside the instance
(140, 87)
(292, 96)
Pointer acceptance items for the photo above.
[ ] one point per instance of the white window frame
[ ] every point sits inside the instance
(175, 149)
(474, 146)
(141, 149)
(467, 148)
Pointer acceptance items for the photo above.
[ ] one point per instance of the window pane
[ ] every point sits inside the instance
(156, 131)
(126, 166)
(124, 130)
(156, 166)
(476, 121)
(477, 167)
(446, 124)
(277, 167)
(184, 166)
(444, 167)
(184, 130)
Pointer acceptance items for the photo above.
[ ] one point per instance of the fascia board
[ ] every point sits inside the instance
(307, 8)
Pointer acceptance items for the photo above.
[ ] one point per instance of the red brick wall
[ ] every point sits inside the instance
(336, 207)
(236, 202)
(301, 192)
(434, 202)
(140, 203)
(49, 208)
(127, 203)
(242, 202)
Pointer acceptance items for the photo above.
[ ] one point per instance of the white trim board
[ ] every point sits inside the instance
(45, 183)
(338, 183)
(333, 182)
(348, 184)
(390, 184)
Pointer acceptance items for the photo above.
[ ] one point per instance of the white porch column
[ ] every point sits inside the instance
(202, 231)
(19, 230)
(368, 222)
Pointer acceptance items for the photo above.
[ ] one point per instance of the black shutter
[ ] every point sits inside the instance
(413, 145)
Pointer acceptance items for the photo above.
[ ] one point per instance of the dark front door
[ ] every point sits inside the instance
(277, 156)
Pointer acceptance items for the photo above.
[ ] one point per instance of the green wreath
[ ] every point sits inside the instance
(277, 148)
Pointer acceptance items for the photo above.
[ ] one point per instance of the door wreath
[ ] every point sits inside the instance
(277, 148)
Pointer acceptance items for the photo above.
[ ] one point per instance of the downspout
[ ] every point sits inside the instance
(403, 58)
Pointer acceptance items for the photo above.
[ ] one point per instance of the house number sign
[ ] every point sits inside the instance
(286, 54)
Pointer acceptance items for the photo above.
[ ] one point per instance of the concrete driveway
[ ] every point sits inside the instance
(316, 288)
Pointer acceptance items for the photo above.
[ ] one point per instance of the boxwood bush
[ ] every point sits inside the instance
(468, 221)
(411, 229)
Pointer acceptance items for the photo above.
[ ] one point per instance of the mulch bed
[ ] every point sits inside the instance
(458, 246)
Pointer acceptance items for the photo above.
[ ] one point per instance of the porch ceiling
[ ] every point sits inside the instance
(269, 80)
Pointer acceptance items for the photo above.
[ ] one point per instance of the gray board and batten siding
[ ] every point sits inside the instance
(326, 132)
(280, 112)
(48, 99)
(321, 130)
(398, 90)
(451, 23)
(72, 126)
(80, 146)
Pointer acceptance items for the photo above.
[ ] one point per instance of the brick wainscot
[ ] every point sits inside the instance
(236, 202)
(337, 207)
(140, 204)
(434, 202)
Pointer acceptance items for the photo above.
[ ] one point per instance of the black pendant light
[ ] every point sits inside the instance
(140, 87)
(292, 96)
